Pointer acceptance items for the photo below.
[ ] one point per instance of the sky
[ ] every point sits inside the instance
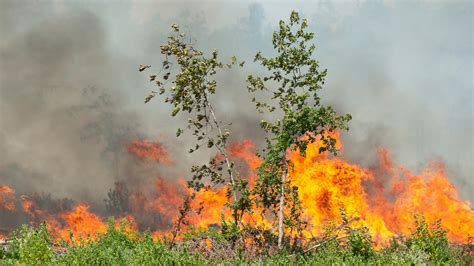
(71, 95)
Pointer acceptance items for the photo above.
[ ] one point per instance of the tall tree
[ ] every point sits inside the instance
(189, 89)
(293, 87)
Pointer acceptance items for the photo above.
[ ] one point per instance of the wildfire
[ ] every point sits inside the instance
(383, 198)
(430, 194)
(169, 198)
(7, 198)
(327, 184)
(244, 151)
(145, 149)
(80, 223)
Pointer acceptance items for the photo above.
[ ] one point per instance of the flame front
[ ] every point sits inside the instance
(384, 198)
(327, 184)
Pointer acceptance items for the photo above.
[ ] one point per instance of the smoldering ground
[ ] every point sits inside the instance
(71, 95)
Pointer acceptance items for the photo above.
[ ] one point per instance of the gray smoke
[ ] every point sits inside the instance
(63, 112)
(71, 94)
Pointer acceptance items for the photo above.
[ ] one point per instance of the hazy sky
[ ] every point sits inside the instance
(71, 95)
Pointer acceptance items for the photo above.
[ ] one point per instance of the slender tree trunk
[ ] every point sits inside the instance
(223, 151)
(227, 160)
(282, 206)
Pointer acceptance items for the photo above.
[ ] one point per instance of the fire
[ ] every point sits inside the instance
(80, 222)
(169, 199)
(430, 194)
(210, 206)
(327, 184)
(7, 198)
(145, 149)
(244, 150)
(30, 208)
(383, 198)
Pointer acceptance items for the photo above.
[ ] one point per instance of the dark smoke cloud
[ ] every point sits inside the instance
(62, 121)
(71, 94)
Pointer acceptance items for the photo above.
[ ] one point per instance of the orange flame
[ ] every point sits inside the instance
(83, 224)
(384, 198)
(7, 200)
(430, 194)
(244, 150)
(169, 199)
(327, 184)
(80, 222)
(145, 149)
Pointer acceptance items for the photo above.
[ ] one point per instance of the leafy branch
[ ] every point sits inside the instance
(189, 89)
(298, 79)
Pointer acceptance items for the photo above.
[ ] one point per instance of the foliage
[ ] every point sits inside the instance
(116, 202)
(119, 246)
(298, 79)
(359, 239)
(187, 81)
(432, 241)
(29, 246)
(189, 89)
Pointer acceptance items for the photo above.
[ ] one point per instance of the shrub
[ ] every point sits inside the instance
(122, 246)
(29, 245)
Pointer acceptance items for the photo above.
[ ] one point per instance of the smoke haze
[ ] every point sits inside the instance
(71, 95)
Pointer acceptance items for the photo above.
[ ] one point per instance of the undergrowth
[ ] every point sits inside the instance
(121, 246)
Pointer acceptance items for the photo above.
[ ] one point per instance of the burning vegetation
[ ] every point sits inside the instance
(299, 195)
(384, 198)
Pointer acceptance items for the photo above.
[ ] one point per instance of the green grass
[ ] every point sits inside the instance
(118, 246)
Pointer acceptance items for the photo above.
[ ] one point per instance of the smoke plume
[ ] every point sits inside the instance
(71, 97)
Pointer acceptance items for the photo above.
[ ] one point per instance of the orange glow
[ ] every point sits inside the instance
(244, 150)
(169, 198)
(384, 198)
(80, 222)
(153, 151)
(83, 224)
(327, 184)
(7, 200)
(430, 194)
(210, 207)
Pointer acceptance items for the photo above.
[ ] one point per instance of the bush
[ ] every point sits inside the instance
(122, 246)
(29, 246)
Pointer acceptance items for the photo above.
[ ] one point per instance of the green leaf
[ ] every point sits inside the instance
(210, 143)
(175, 111)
